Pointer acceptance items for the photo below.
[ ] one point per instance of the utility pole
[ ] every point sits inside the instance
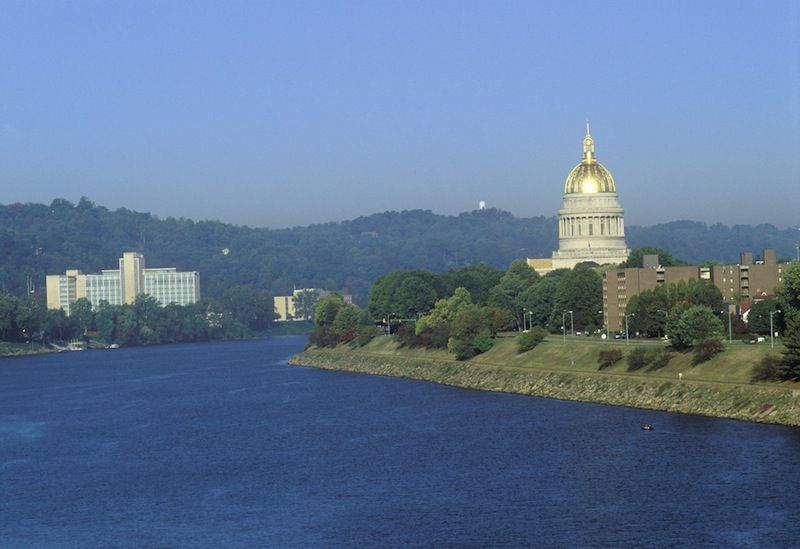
(627, 337)
(772, 330)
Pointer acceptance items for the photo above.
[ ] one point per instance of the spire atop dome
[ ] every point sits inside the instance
(588, 146)
(589, 176)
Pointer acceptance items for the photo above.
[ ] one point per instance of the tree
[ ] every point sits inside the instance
(791, 342)
(758, 319)
(445, 310)
(478, 280)
(327, 308)
(539, 301)
(57, 325)
(106, 321)
(470, 332)
(305, 303)
(405, 294)
(694, 325)
(126, 329)
(8, 318)
(507, 294)
(414, 296)
(636, 258)
(580, 291)
(30, 315)
(648, 312)
(252, 307)
(81, 311)
(346, 322)
(789, 298)
(434, 328)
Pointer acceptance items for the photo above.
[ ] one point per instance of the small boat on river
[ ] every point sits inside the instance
(647, 427)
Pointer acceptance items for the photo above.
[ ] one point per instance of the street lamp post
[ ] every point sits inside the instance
(772, 330)
(605, 324)
(564, 324)
(730, 331)
(627, 337)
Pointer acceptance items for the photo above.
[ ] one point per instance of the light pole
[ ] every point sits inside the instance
(564, 324)
(627, 337)
(605, 324)
(730, 331)
(530, 320)
(772, 330)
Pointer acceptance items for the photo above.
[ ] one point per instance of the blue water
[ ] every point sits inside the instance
(224, 445)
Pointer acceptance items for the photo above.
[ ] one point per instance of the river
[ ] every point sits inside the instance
(224, 445)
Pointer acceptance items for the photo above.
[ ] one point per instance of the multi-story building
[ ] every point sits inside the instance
(739, 283)
(118, 286)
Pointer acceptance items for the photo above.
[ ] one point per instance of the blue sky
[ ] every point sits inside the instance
(290, 113)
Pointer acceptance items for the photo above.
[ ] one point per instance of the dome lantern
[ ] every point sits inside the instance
(589, 176)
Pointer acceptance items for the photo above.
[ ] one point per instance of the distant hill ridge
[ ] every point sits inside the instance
(39, 239)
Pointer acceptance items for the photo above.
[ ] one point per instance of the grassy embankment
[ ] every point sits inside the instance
(720, 387)
(19, 349)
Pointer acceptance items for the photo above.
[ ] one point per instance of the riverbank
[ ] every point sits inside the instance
(8, 349)
(569, 371)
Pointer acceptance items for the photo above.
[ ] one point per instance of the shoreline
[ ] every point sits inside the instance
(772, 404)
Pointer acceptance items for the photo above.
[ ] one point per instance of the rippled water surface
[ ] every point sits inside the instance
(223, 444)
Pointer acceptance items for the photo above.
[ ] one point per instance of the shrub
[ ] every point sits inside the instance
(435, 338)
(608, 358)
(528, 340)
(483, 342)
(769, 369)
(658, 359)
(462, 348)
(364, 334)
(406, 336)
(705, 350)
(637, 359)
(324, 336)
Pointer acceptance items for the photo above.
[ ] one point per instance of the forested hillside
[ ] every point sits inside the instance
(38, 239)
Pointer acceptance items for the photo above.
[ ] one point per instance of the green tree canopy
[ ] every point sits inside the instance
(540, 299)
(83, 314)
(470, 332)
(404, 293)
(758, 317)
(789, 299)
(445, 311)
(636, 258)
(508, 293)
(252, 307)
(694, 325)
(327, 308)
(304, 304)
(580, 291)
(477, 279)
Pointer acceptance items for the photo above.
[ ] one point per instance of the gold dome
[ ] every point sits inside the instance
(590, 176)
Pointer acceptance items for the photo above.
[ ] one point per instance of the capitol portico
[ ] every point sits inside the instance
(591, 226)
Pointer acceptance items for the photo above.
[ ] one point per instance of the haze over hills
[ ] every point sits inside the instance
(39, 239)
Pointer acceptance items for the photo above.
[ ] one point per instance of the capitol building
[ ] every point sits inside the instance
(591, 226)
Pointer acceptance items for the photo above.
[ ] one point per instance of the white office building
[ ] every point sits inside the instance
(118, 286)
